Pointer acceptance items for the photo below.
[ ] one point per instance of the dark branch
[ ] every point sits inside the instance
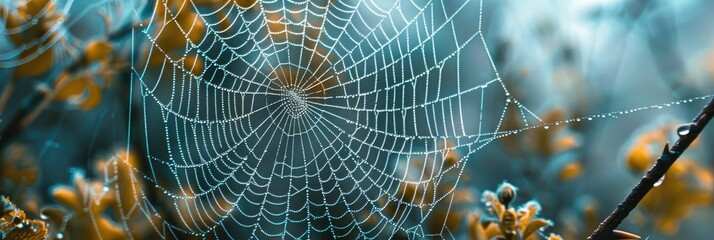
(687, 134)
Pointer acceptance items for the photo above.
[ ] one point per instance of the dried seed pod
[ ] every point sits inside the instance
(506, 193)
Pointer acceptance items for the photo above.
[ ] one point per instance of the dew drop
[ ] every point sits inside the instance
(659, 182)
(684, 129)
(508, 100)
(60, 235)
(106, 189)
(546, 127)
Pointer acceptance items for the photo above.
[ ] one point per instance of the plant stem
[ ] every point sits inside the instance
(663, 163)
(6, 94)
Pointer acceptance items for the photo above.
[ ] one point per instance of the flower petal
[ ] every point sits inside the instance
(534, 225)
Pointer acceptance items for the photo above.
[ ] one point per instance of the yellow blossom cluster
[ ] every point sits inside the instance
(14, 224)
(511, 223)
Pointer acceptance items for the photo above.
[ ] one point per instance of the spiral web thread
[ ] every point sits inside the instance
(328, 119)
(307, 117)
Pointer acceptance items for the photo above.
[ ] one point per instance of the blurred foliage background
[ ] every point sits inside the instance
(66, 98)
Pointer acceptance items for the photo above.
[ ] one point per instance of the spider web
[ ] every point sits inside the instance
(306, 118)
(307, 114)
(11, 58)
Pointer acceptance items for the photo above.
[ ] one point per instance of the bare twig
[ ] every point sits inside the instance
(687, 134)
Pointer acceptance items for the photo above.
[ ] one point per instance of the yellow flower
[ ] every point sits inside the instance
(80, 90)
(570, 171)
(511, 224)
(87, 201)
(87, 204)
(15, 225)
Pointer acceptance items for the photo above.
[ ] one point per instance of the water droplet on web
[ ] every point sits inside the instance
(659, 182)
(684, 129)
(508, 100)
(546, 127)
(34, 21)
(106, 189)
(60, 235)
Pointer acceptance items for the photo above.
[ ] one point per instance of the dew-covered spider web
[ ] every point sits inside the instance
(306, 119)
(286, 118)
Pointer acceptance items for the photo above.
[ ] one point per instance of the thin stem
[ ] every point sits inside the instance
(6, 94)
(47, 96)
(663, 163)
(14, 127)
